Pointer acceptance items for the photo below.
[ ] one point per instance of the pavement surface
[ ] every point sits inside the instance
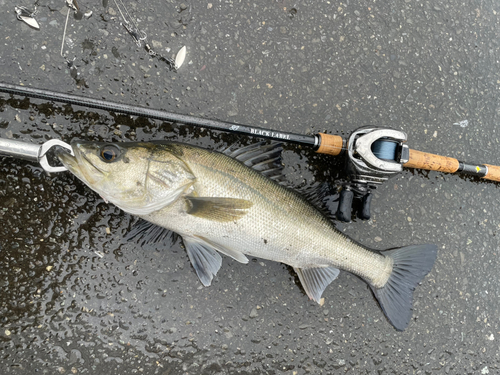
(77, 298)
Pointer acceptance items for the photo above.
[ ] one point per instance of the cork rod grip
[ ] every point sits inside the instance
(493, 173)
(330, 144)
(431, 162)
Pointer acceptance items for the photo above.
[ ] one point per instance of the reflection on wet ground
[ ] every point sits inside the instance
(72, 281)
(76, 297)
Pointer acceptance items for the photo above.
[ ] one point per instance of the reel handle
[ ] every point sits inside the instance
(432, 162)
(347, 195)
(344, 209)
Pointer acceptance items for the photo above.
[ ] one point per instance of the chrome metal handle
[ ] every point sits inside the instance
(18, 149)
(32, 152)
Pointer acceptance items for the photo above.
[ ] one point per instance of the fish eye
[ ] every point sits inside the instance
(109, 153)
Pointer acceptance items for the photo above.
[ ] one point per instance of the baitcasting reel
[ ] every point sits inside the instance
(373, 155)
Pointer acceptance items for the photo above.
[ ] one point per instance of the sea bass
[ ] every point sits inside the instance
(231, 203)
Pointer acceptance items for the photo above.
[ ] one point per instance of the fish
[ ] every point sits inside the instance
(234, 202)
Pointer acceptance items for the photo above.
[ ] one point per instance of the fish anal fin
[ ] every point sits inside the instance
(218, 209)
(315, 280)
(205, 259)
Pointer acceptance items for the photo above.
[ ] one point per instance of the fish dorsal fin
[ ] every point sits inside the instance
(205, 260)
(315, 280)
(218, 209)
(317, 195)
(261, 156)
(144, 232)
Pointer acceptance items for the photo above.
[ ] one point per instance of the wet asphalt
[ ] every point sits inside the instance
(77, 298)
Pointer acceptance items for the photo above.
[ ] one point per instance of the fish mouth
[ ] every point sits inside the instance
(68, 160)
(79, 164)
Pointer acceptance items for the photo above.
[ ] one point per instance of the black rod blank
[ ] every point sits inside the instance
(156, 114)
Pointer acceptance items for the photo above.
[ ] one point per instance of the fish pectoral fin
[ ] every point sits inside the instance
(205, 260)
(315, 280)
(218, 209)
(235, 254)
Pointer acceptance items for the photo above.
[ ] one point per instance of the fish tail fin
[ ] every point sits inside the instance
(410, 265)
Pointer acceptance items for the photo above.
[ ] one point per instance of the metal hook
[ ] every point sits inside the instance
(22, 11)
(132, 33)
(73, 5)
(42, 156)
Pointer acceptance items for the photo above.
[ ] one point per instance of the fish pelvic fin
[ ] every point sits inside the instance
(205, 259)
(315, 280)
(410, 265)
(145, 232)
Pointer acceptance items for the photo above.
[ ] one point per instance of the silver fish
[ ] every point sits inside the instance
(230, 203)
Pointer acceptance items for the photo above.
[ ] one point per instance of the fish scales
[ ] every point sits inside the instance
(295, 232)
(220, 205)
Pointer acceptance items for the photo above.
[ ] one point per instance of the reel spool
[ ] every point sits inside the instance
(385, 150)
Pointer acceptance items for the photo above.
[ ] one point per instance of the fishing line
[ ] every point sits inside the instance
(385, 150)
(72, 5)
(140, 36)
(64, 36)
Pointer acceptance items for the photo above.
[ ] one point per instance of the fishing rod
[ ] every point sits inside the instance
(374, 154)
